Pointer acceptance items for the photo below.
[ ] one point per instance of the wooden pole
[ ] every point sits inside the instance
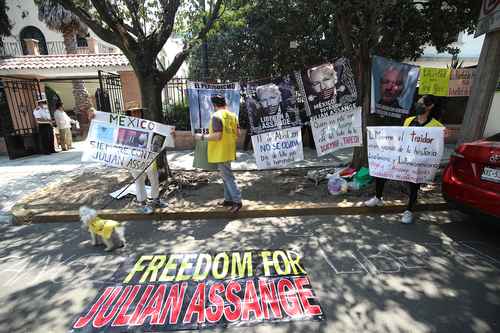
(483, 90)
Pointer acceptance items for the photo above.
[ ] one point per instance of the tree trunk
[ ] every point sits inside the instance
(80, 93)
(151, 88)
(360, 154)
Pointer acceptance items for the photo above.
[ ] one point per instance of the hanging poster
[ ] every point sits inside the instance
(337, 131)
(272, 104)
(274, 150)
(461, 80)
(200, 104)
(193, 291)
(434, 81)
(393, 87)
(411, 154)
(327, 87)
(125, 142)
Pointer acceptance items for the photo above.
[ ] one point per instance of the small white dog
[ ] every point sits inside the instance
(102, 231)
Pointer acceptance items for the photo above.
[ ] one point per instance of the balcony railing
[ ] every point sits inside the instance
(15, 49)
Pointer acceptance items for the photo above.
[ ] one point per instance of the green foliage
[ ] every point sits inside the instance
(52, 97)
(177, 115)
(252, 38)
(57, 18)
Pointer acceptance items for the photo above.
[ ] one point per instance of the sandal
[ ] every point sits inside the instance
(236, 207)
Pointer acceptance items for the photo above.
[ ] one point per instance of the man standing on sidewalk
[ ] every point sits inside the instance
(223, 132)
(45, 130)
(63, 122)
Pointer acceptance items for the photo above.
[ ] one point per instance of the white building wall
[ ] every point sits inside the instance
(23, 13)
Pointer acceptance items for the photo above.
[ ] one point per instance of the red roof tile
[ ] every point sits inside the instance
(64, 61)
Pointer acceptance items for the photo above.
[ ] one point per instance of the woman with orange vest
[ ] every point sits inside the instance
(223, 132)
(425, 110)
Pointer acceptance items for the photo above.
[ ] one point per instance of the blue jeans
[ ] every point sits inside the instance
(231, 191)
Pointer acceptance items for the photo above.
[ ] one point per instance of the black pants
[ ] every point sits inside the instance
(46, 138)
(412, 199)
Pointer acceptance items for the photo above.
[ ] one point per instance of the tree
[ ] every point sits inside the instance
(252, 39)
(398, 29)
(140, 29)
(59, 19)
(5, 25)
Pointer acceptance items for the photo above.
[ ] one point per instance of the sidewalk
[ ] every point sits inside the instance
(61, 182)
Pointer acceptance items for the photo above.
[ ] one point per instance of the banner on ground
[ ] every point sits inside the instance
(337, 130)
(461, 80)
(200, 104)
(278, 149)
(434, 81)
(393, 87)
(192, 291)
(327, 87)
(272, 104)
(489, 18)
(125, 142)
(410, 154)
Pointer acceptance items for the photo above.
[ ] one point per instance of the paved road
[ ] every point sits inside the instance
(371, 273)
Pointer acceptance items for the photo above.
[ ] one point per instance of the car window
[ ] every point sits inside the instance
(495, 137)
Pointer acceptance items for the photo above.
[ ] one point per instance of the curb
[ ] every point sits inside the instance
(23, 217)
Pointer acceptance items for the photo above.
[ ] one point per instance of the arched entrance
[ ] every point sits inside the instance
(33, 33)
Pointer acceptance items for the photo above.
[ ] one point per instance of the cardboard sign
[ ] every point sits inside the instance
(434, 81)
(410, 154)
(337, 131)
(489, 19)
(278, 149)
(125, 142)
(393, 87)
(200, 104)
(192, 291)
(461, 81)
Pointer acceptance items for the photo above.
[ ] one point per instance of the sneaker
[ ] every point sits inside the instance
(146, 209)
(225, 203)
(407, 217)
(374, 202)
(236, 207)
(158, 203)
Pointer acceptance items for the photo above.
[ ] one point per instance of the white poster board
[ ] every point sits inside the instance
(274, 150)
(125, 142)
(337, 130)
(410, 154)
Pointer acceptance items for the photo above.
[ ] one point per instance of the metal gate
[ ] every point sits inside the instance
(17, 125)
(109, 97)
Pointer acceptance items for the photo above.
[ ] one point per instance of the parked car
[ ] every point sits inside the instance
(471, 181)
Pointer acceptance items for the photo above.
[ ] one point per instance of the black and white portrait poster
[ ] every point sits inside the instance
(393, 87)
(327, 87)
(272, 104)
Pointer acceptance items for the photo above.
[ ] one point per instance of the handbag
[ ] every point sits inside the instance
(200, 160)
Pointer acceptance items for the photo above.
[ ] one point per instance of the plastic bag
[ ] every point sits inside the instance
(362, 177)
(337, 185)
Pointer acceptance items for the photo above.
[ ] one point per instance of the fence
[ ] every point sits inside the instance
(15, 49)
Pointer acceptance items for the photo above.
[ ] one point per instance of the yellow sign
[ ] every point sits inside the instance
(434, 81)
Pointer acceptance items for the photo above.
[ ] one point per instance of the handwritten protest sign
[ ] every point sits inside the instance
(461, 82)
(192, 291)
(278, 149)
(337, 130)
(434, 81)
(125, 142)
(409, 154)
